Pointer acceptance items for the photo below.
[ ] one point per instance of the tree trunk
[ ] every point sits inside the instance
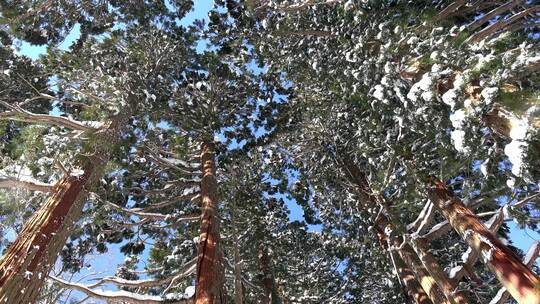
(406, 276)
(409, 257)
(238, 290)
(267, 278)
(436, 275)
(521, 282)
(209, 280)
(28, 261)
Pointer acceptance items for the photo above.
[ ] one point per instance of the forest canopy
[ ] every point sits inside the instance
(269, 151)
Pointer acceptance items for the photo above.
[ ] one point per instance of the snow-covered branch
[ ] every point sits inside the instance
(17, 113)
(493, 13)
(183, 197)
(178, 221)
(122, 295)
(179, 165)
(299, 6)
(189, 268)
(502, 24)
(424, 218)
(33, 185)
(141, 214)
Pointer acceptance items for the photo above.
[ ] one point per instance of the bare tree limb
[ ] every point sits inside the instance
(122, 295)
(17, 113)
(188, 269)
(33, 185)
(500, 25)
(493, 13)
(450, 9)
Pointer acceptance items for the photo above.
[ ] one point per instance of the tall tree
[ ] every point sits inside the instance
(100, 77)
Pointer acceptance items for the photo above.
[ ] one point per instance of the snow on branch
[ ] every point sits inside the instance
(172, 185)
(502, 24)
(146, 217)
(17, 113)
(493, 13)
(190, 196)
(189, 268)
(172, 163)
(299, 6)
(423, 219)
(178, 221)
(33, 185)
(150, 216)
(124, 296)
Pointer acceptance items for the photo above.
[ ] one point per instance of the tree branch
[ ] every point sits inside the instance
(122, 295)
(32, 185)
(500, 25)
(19, 114)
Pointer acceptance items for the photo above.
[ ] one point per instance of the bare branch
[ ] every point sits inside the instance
(125, 296)
(177, 164)
(450, 9)
(32, 185)
(191, 197)
(189, 268)
(19, 114)
(500, 25)
(493, 13)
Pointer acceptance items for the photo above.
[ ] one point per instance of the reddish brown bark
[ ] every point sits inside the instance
(410, 285)
(433, 280)
(209, 281)
(422, 275)
(521, 282)
(29, 259)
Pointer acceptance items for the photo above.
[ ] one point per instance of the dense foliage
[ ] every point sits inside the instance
(299, 99)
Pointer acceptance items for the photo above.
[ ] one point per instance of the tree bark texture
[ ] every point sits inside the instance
(520, 281)
(28, 261)
(407, 277)
(410, 255)
(209, 279)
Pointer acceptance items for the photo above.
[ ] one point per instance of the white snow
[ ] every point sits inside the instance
(379, 92)
(77, 172)
(459, 82)
(515, 151)
(458, 139)
(27, 275)
(519, 129)
(483, 167)
(466, 254)
(450, 97)
(457, 118)
(454, 271)
(489, 94)
(510, 183)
